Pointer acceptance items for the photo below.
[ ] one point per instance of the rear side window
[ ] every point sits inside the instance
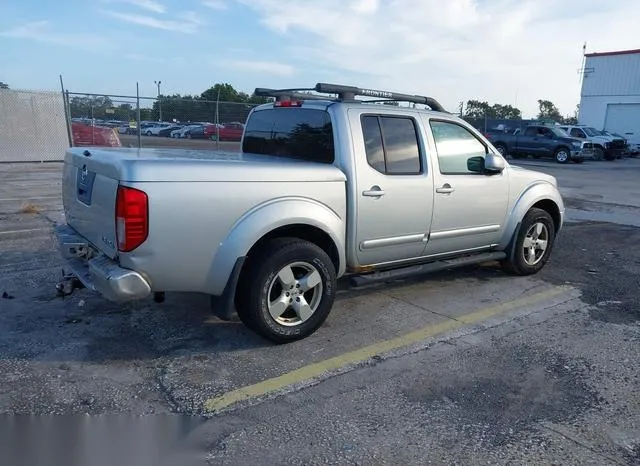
(391, 144)
(297, 133)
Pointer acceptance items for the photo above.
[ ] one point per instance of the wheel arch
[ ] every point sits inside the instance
(542, 195)
(297, 217)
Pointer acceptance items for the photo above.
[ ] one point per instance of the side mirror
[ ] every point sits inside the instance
(476, 164)
(493, 163)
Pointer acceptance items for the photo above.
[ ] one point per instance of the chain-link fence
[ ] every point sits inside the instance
(155, 122)
(32, 126)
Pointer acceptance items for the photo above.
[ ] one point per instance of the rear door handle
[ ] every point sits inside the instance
(446, 189)
(375, 191)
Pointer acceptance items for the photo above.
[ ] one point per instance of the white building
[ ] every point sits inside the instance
(610, 97)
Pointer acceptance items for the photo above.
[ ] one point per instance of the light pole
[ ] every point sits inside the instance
(159, 101)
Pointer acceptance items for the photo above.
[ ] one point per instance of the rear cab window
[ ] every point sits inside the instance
(295, 133)
(391, 144)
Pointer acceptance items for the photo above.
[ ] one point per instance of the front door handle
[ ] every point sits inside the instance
(375, 191)
(446, 189)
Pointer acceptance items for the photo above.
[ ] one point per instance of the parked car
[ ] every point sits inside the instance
(181, 133)
(605, 147)
(322, 189)
(540, 141)
(166, 132)
(87, 135)
(200, 132)
(226, 132)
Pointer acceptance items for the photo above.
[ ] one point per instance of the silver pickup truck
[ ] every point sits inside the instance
(325, 185)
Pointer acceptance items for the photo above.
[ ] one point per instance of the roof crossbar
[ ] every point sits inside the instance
(348, 93)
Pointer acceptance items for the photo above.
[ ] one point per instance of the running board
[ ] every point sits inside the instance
(420, 269)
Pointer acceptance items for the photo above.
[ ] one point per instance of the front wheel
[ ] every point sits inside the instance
(287, 290)
(534, 242)
(562, 155)
(598, 154)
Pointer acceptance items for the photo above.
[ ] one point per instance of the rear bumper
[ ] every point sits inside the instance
(98, 272)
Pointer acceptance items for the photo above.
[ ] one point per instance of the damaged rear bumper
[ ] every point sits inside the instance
(98, 272)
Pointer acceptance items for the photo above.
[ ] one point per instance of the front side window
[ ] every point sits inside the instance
(459, 151)
(391, 144)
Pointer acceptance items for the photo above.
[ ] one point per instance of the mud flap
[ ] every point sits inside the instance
(223, 306)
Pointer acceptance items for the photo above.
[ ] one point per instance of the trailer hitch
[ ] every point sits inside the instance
(68, 285)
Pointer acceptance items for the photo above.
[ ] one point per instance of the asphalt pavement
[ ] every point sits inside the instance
(465, 367)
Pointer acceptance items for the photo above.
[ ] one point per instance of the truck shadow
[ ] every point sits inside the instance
(85, 327)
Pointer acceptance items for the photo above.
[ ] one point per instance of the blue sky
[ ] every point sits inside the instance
(504, 51)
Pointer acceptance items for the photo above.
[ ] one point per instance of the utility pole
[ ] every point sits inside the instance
(159, 101)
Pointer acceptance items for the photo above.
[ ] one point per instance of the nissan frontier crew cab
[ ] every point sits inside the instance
(325, 186)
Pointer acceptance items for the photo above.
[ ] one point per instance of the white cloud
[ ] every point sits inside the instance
(149, 5)
(458, 49)
(215, 4)
(262, 67)
(40, 31)
(187, 22)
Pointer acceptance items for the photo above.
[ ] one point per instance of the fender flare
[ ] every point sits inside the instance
(530, 196)
(265, 218)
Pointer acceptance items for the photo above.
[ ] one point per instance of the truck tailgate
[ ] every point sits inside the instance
(89, 199)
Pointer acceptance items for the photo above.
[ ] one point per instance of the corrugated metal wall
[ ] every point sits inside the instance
(612, 75)
(32, 126)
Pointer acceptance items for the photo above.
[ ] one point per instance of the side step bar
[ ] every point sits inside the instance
(420, 269)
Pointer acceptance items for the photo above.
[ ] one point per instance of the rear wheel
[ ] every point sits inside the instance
(534, 242)
(286, 291)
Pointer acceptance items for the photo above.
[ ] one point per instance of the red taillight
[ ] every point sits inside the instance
(132, 218)
(288, 103)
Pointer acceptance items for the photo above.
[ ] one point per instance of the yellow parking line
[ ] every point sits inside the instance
(312, 371)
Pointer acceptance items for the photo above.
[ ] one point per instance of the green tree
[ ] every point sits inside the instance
(549, 112)
(226, 92)
(477, 110)
(90, 107)
(507, 112)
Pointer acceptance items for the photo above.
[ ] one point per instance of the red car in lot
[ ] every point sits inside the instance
(227, 132)
(87, 135)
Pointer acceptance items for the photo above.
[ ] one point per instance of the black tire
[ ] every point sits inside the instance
(562, 155)
(578, 160)
(517, 156)
(259, 278)
(598, 154)
(517, 264)
(148, 133)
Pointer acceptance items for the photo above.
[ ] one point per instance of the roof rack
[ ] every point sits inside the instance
(347, 93)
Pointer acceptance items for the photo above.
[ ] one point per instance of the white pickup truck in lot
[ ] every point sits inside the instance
(324, 186)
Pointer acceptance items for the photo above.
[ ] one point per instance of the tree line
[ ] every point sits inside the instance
(220, 101)
(478, 110)
(226, 103)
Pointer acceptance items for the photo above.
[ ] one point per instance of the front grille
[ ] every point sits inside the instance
(618, 144)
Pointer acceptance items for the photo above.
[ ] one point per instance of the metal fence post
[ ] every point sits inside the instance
(218, 121)
(138, 113)
(67, 111)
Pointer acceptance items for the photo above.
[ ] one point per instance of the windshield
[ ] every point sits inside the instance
(591, 131)
(559, 132)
